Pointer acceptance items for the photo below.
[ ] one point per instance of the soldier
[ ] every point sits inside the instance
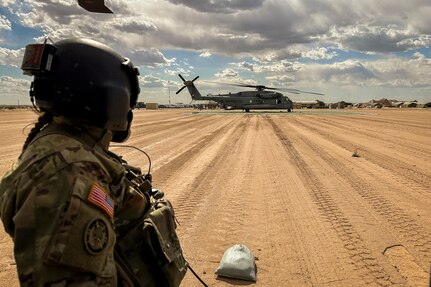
(70, 205)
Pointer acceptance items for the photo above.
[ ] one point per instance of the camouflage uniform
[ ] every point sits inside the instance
(63, 204)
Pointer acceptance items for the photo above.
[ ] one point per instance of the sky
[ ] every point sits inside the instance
(348, 50)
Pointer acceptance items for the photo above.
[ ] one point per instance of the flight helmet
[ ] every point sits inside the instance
(83, 79)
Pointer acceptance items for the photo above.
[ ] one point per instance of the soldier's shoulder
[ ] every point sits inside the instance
(69, 149)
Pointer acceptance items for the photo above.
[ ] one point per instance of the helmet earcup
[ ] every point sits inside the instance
(88, 80)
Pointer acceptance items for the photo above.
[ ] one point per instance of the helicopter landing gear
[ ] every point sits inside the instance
(289, 110)
(247, 110)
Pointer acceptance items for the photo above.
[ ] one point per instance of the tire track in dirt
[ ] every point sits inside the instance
(154, 129)
(188, 202)
(241, 205)
(260, 199)
(155, 134)
(383, 136)
(299, 225)
(413, 235)
(399, 123)
(415, 179)
(181, 159)
(359, 254)
(163, 147)
(192, 200)
(224, 207)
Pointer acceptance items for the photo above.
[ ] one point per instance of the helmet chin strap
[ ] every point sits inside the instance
(122, 136)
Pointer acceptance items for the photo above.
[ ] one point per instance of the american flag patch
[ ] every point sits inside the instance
(99, 197)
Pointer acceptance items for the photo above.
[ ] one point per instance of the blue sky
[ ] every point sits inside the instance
(348, 51)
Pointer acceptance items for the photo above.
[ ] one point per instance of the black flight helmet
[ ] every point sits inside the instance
(84, 79)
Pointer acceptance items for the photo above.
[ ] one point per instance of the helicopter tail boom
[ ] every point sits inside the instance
(194, 93)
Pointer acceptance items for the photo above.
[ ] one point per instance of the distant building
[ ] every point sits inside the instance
(423, 104)
(343, 105)
(151, 106)
(411, 104)
(140, 105)
(379, 103)
(397, 104)
(316, 104)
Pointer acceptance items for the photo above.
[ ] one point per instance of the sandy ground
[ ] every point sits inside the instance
(288, 187)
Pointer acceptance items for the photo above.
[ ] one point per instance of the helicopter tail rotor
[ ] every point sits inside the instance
(186, 83)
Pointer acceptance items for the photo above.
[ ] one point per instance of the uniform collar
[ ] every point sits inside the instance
(87, 134)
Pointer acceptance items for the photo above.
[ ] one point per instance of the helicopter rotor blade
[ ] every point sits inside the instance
(293, 92)
(179, 91)
(312, 93)
(181, 77)
(262, 87)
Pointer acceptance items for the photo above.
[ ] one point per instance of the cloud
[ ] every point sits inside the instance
(14, 90)
(205, 55)
(319, 53)
(5, 24)
(151, 81)
(174, 72)
(246, 65)
(283, 66)
(394, 72)
(277, 40)
(278, 55)
(268, 30)
(6, 3)
(379, 39)
(281, 80)
(220, 6)
(11, 58)
(151, 58)
(133, 25)
(227, 74)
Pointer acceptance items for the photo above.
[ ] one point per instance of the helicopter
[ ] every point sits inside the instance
(264, 98)
(97, 6)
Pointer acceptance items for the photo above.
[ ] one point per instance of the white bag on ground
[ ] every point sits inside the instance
(237, 262)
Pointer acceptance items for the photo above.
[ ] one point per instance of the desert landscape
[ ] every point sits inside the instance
(321, 197)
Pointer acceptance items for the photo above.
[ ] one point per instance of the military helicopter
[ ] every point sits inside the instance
(97, 6)
(261, 99)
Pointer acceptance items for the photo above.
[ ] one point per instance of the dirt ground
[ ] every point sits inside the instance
(287, 186)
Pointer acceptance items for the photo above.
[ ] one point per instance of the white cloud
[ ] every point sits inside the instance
(394, 72)
(220, 6)
(283, 66)
(227, 74)
(319, 53)
(13, 90)
(150, 57)
(205, 55)
(151, 81)
(256, 27)
(6, 3)
(5, 24)
(11, 58)
(246, 65)
(266, 38)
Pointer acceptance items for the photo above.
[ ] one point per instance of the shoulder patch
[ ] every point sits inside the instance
(96, 236)
(99, 197)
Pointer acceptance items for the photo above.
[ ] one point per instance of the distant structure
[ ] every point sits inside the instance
(382, 103)
(151, 106)
(140, 105)
(316, 104)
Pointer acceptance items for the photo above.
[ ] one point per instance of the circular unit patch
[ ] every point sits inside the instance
(96, 236)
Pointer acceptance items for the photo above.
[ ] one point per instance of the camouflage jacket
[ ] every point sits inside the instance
(62, 204)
